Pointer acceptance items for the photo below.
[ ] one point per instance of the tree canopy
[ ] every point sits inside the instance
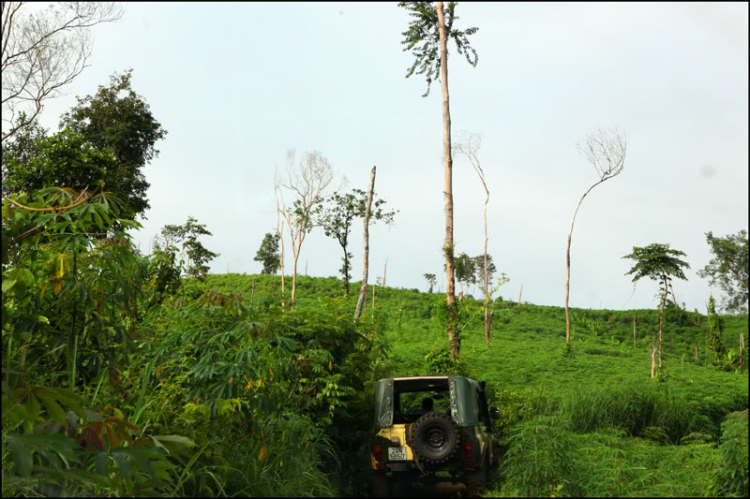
(338, 212)
(187, 234)
(119, 120)
(728, 269)
(268, 254)
(423, 39)
(657, 262)
(103, 143)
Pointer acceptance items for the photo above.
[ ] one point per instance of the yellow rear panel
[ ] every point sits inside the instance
(392, 432)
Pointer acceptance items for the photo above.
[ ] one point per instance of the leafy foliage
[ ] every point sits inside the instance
(268, 253)
(540, 459)
(728, 269)
(336, 217)
(423, 39)
(657, 262)
(103, 143)
(60, 334)
(187, 234)
(431, 280)
(66, 159)
(440, 361)
(118, 120)
(732, 475)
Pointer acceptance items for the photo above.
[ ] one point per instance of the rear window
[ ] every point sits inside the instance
(403, 399)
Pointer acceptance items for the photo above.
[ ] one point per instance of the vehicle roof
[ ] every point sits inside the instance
(424, 383)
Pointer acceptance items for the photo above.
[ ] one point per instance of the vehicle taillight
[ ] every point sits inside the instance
(468, 453)
(378, 452)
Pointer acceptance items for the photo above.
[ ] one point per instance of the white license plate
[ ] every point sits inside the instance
(397, 453)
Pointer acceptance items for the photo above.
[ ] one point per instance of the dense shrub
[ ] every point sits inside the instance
(440, 361)
(732, 475)
(539, 462)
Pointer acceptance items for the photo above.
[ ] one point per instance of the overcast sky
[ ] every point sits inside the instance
(237, 85)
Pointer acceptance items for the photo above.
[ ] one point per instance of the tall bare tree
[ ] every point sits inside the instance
(306, 183)
(365, 259)
(605, 149)
(43, 50)
(280, 233)
(469, 144)
(427, 38)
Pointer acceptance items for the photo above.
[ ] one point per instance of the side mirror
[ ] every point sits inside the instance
(494, 413)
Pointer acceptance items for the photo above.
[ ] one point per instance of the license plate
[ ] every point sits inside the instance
(397, 453)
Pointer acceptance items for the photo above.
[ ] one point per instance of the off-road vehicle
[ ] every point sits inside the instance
(451, 442)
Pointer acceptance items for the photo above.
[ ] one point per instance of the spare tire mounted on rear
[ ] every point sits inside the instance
(434, 437)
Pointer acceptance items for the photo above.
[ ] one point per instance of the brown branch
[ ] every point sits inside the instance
(78, 201)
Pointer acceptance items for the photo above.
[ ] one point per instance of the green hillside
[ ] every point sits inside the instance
(602, 425)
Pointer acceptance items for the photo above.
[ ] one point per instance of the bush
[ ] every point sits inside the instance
(440, 361)
(732, 476)
(540, 460)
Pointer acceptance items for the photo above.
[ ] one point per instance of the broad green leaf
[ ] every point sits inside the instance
(174, 444)
(33, 408)
(123, 464)
(53, 409)
(21, 457)
(101, 463)
(7, 284)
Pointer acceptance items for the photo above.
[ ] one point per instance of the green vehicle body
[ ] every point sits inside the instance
(453, 444)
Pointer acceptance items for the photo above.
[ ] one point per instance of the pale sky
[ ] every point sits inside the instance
(237, 85)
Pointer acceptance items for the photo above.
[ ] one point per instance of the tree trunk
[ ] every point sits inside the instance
(450, 298)
(695, 352)
(346, 271)
(661, 323)
(430, 291)
(363, 287)
(280, 232)
(385, 271)
(520, 293)
(653, 366)
(296, 250)
(567, 286)
(487, 315)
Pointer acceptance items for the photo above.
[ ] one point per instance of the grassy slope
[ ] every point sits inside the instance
(527, 353)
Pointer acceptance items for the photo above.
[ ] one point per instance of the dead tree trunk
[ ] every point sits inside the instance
(653, 363)
(520, 294)
(280, 232)
(450, 293)
(469, 145)
(363, 287)
(606, 151)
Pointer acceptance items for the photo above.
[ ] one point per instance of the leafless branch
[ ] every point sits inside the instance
(44, 50)
(605, 149)
(306, 181)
